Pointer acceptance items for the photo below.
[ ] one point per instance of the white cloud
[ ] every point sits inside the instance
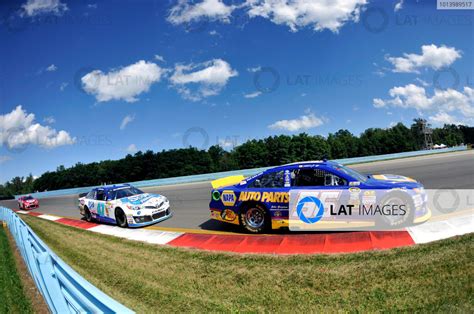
(36, 7)
(126, 120)
(296, 14)
(18, 129)
(253, 95)
(4, 158)
(63, 86)
(213, 33)
(304, 122)
(132, 148)
(51, 68)
(399, 5)
(422, 82)
(227, 143)
(159, 58)
(125, 83)
(49, 120)
(442, 118)
(379, 103)
(208, 77)
(92, 6)
(255, 69)
(186, 11)
(415, 97)
(431, 57)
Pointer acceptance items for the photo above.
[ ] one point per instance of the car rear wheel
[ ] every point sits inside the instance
(120, 218)
(88, 215)
(254, 218)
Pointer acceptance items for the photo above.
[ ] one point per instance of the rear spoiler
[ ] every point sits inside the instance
(227, 181)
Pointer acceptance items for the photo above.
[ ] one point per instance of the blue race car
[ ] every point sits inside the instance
(262, 201)
(124, 205)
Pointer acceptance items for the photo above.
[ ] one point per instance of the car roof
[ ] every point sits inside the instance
(112, 187)
(309, 162)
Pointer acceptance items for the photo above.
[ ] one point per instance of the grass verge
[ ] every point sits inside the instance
(148, 278)
(12, 296)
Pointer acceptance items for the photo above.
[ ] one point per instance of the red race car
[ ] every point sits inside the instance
(27, 202)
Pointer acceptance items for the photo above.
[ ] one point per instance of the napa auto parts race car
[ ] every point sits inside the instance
(262, 201)
(124, 205)
(27, 202)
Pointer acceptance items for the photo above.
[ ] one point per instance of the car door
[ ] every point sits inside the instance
(100, 198)
(329, 187)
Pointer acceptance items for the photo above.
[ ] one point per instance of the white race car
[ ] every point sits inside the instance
(124, 205)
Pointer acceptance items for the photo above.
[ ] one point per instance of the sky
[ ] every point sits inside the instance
(84, 81)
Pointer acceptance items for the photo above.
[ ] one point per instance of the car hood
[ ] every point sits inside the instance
(145, 199)
(391, 181)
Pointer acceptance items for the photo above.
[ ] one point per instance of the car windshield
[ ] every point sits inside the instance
(350, 172)
(126, 192)
(28, 198)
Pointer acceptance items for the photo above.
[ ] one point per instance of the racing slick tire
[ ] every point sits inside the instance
(120, 218)
(19, 207)
(254, 218)
(87, 214)
(397, 198)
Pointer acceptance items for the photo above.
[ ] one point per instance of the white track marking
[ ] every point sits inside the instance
(143, 235)
(24, 212)
(49, 217)
(433, 231)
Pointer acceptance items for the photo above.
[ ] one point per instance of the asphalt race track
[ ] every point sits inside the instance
(190, 201)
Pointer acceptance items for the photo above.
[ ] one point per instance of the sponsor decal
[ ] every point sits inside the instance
(228, 198)
(354, 190)
(228, 215)
(392, 177)
(287, 178)
(100, 209)
(265, 197)
(137, 199)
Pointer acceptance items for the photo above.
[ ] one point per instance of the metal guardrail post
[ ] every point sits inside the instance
(63, 289)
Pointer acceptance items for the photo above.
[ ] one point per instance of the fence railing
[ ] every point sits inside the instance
(63, 289)
(244, 172)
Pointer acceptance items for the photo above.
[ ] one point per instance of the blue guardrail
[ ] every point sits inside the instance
(245, 172)
(63, 289)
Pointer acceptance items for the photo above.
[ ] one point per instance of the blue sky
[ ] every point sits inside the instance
(103, 79)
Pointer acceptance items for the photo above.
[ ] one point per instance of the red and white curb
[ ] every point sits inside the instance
(339, 242)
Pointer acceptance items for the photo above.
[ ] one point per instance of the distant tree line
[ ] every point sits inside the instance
(270, 151)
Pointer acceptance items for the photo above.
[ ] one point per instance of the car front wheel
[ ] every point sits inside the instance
(120, 218)
(87, 215)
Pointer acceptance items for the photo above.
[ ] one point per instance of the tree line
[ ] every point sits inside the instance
(270, 151)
